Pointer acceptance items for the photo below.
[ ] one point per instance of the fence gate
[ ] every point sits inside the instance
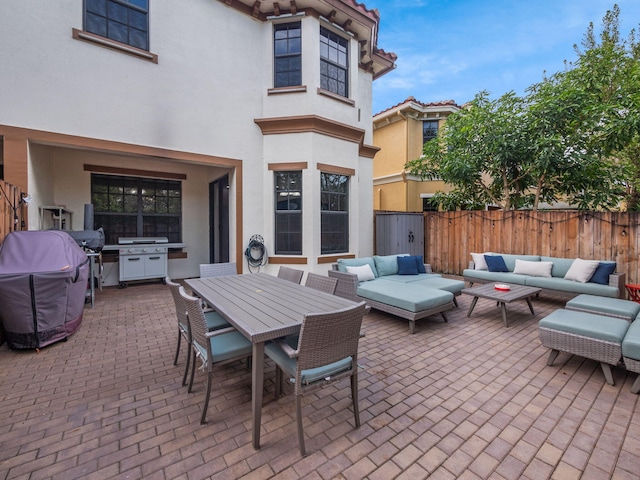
(399, 232)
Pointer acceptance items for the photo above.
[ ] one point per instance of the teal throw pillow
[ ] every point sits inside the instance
(495, 263)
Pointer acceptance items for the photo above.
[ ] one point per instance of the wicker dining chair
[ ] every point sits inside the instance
(320, 282)
(216, 347)
(218, 269)
(292, 274)
(327, 351)
(214, 322)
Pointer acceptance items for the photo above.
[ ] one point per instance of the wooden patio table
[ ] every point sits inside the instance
(262, 307)
(502, 297)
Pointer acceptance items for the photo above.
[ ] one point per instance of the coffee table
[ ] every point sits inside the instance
(488, 291)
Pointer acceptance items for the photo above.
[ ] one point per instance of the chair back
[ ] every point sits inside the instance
(347, 284)
(326, 338)
(197, 321)
(218, 269)
(322, 283)
(181, 308)
(291, 274)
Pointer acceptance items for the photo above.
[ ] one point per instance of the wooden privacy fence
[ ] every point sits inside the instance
(450, 237)
(11, 209)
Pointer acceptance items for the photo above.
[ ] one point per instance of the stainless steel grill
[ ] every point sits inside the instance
(142, 258)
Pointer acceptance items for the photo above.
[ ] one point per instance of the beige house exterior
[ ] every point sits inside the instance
(218, 99)
(400, 132)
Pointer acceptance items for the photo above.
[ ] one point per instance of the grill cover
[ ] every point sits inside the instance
(43, 283)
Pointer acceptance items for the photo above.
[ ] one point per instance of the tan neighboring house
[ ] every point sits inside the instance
(400, 133)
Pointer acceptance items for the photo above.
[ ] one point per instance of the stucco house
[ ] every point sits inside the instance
(400, 132)
(205, 122)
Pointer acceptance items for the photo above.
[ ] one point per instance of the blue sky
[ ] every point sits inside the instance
(453, 49)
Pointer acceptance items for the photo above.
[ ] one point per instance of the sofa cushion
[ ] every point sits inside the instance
(560, 265)
(495, 263)
(510, 259)
(563, 285)
(581, 270)
(410, 278)
(536, 269)
(386, 264)
(448, 284)
(420, 264)
(598, 304)
(407, 266)
(479, 262)
(408, 296)
(486, 276)
(356, 262)
(601, 275)
(363, 272)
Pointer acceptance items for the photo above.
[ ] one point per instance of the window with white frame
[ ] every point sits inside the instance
(334, 213)
(288, 212)
(125, 21)
(287, 53)
(334, 62)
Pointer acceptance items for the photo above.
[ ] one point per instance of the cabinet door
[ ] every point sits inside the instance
(155, 266)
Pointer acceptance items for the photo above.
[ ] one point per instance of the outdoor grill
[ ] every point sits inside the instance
(142, 258)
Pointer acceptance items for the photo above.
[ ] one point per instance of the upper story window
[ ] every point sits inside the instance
(334, 213)
(429, 130)
(287, 52)
(288, 203)
(334, 66)
(137, 207)
(125, 21)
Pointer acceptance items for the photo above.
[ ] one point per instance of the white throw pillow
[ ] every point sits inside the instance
(479, 261)
(581, 270)
(535, 269)
(363, 272)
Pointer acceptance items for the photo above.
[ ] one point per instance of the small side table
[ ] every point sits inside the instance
(633, 289)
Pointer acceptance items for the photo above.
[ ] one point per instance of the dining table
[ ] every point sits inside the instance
(262, 307)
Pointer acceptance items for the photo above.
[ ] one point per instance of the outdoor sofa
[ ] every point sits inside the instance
(568, 276)
(401, 285)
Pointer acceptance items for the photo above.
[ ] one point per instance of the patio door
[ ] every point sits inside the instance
(219, 220)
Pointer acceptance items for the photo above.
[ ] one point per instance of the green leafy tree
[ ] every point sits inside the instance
(570, 138)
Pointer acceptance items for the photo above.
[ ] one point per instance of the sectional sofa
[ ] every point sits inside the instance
(567, 276)
(401, 285)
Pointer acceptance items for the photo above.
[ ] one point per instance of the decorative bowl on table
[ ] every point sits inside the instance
(503, 287)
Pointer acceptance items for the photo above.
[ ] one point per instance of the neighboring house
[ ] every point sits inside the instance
(400, 132)
(205, 121)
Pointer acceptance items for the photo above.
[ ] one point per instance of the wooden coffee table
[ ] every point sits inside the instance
(488, 291)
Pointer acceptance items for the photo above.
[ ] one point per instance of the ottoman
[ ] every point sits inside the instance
(610, 307)
(631, 353)
(588, 335)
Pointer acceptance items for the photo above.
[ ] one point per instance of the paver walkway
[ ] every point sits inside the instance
(468, 399)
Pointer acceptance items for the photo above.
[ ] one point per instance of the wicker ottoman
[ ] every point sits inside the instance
(596, 337)
(631, 352)
(610, 307)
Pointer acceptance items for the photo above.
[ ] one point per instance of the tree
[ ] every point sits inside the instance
(571, 137)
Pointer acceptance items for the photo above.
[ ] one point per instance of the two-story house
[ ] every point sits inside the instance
(400, 132)
(204, 122)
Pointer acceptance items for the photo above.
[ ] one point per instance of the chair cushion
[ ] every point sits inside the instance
(288, 365)
(215, 321)
(589, 325)
(227, 346)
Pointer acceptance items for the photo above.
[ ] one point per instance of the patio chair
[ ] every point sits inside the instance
(218, 269)
(292, 274)
(216, 347)
(319, 282)
(214, 322)
(327, 351)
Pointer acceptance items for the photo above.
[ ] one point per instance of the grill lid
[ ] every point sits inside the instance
(142, 240)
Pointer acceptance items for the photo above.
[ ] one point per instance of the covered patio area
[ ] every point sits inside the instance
(466, 399)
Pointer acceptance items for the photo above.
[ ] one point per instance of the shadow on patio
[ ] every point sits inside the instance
(465, 399)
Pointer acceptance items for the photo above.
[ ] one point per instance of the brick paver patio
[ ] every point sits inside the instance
(467, 399)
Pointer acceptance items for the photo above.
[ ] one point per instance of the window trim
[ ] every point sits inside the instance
(113, 45)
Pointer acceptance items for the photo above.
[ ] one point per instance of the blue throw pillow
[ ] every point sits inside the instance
(407, 266)
(420, 264)
(601, 275)
(495, 263)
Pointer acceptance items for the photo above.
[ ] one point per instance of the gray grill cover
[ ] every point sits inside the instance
(43, 283)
